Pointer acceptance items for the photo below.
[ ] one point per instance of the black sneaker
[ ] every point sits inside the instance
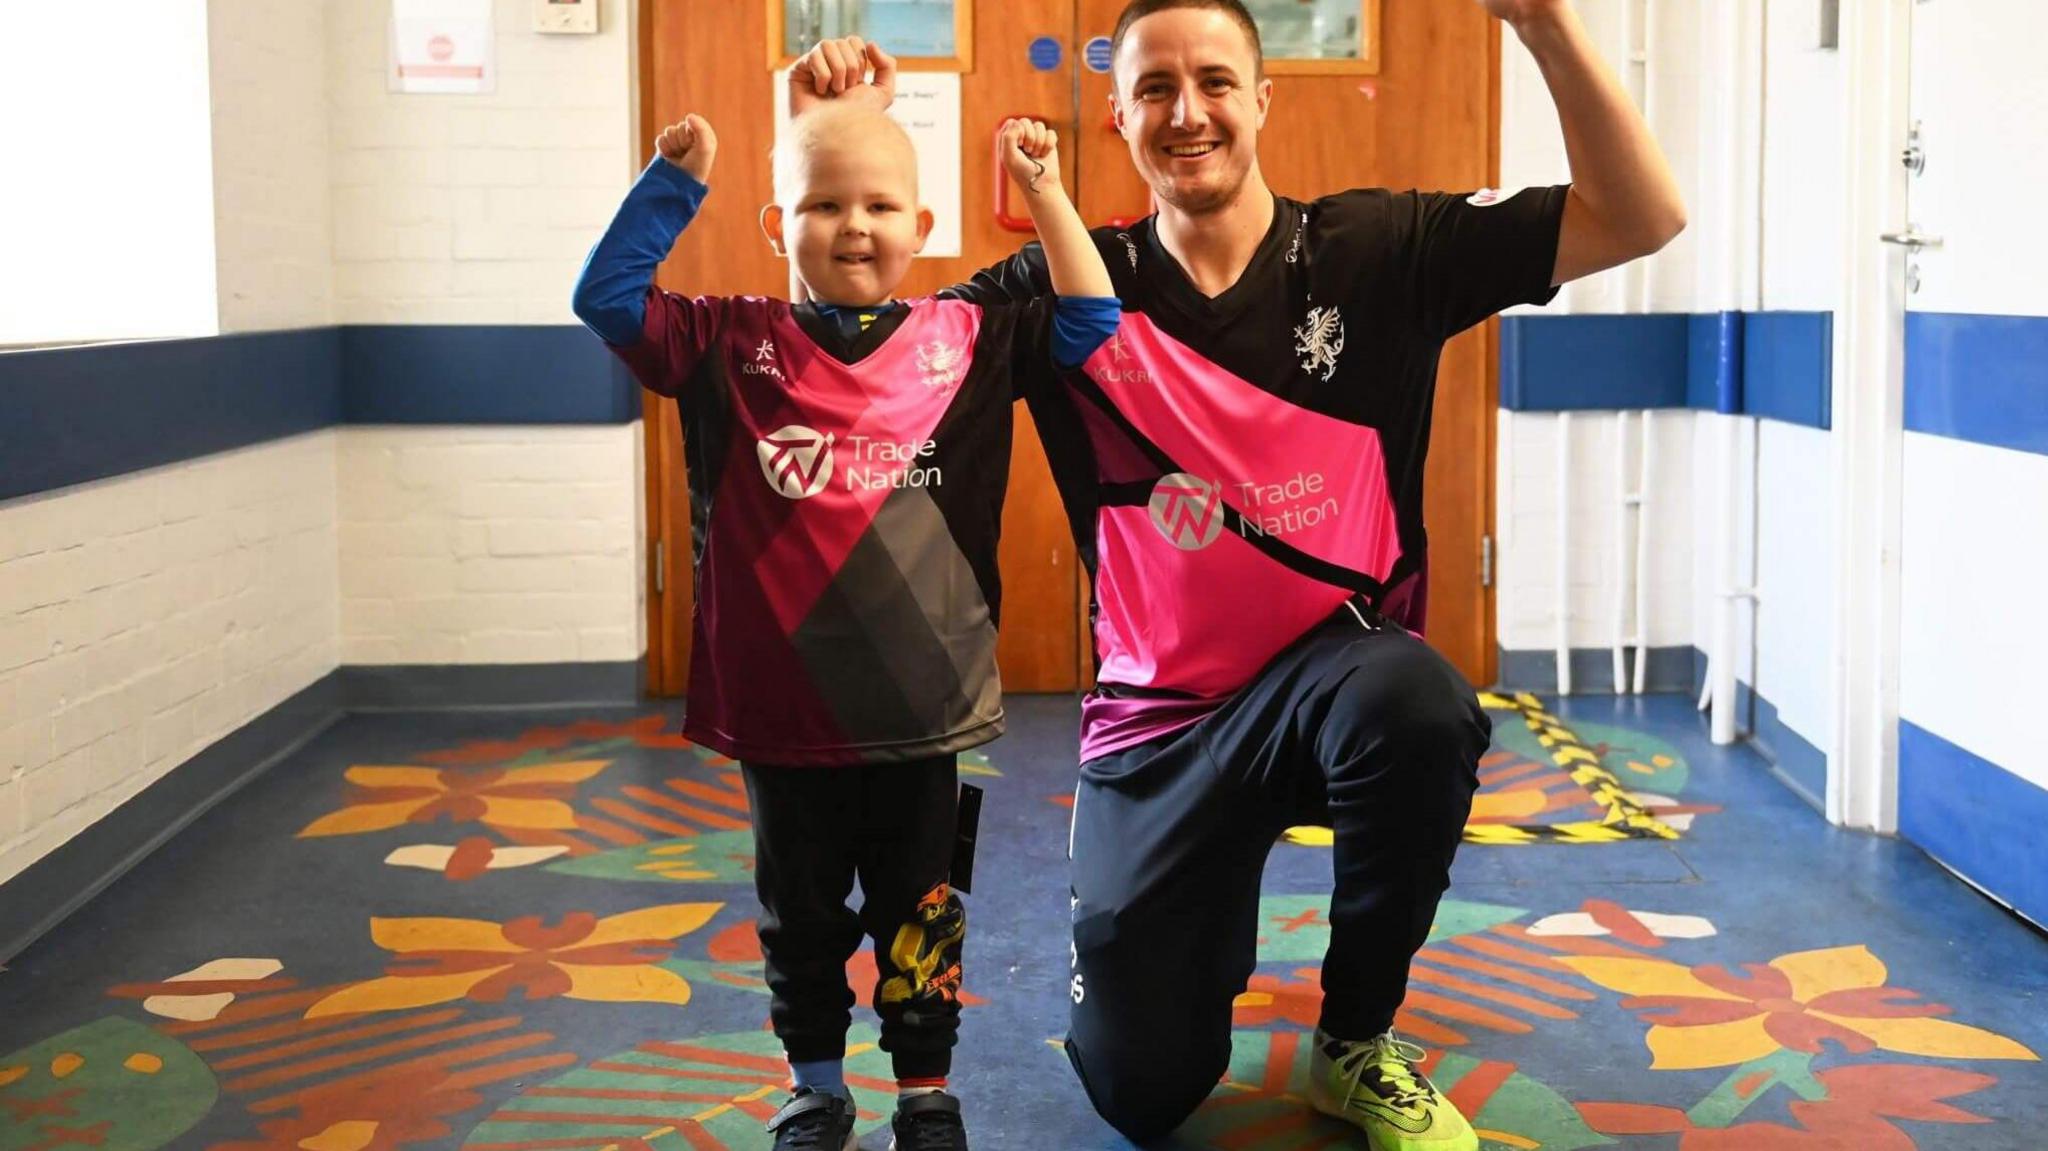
(814, 1121)
(929, 1121)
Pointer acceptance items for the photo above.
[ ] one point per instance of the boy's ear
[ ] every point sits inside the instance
(771, 226)
(924, 227)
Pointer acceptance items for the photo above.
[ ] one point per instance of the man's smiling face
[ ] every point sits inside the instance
(1190, 101)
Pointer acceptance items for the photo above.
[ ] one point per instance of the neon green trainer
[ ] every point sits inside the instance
(1374, 1085)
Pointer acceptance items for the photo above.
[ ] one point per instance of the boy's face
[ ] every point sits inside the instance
(852, 221)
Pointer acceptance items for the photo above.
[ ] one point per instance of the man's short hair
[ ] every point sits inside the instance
(1137, 10)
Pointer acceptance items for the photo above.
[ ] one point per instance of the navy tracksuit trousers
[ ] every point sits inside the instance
(1358, 726)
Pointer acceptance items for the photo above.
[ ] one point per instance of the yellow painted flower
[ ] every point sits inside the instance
(527, 797)
(611, 960)
(1709, 1017)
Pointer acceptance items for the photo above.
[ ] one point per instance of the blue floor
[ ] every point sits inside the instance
(534, 931)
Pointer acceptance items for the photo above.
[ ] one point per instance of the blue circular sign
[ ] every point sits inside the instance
(1097, 54)
(1045, 53)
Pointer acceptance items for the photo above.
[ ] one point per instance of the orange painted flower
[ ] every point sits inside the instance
(382, 1113)
(609, 960)
(1858, 1112)
(526, 797)
(1708, 1017)
(1269, 999)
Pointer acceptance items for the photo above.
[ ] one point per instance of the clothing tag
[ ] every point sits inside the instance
(963, 841)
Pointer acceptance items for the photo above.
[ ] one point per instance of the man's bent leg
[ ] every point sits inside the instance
(1399, 743)
(1166, 865)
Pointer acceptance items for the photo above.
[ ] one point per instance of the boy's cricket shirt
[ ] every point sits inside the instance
(846, 496)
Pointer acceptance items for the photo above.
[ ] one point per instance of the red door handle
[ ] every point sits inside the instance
(1004, 218)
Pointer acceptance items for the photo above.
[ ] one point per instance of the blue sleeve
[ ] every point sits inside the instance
(1080, 324)
(611, 292)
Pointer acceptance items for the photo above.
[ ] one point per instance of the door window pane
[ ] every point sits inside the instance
(904, 27)
(1310, 29)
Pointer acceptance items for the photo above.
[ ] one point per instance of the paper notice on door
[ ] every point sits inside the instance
(442, 46)
(928, 106)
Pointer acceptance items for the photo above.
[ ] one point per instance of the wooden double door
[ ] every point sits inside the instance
(1428, 119)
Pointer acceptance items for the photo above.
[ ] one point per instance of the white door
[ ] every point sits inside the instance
(1973, 619)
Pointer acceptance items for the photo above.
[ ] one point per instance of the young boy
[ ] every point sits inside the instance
(847, 463)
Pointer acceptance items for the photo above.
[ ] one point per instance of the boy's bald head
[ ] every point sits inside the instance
(846, 207)
(841, 129)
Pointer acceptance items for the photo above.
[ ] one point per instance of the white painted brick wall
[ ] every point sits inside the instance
(144, 617)
(268, 68)
(490, 545)
(475, 209)
(1528, 537)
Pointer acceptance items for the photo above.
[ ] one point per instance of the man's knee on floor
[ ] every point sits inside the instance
(1146, 1091)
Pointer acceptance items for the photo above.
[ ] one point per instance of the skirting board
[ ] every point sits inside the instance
(61, 882)
(1593, 669)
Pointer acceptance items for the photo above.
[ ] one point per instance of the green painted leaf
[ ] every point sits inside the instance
(1522, 1107)
(720, 857)
(1296, 928)
(130, 1087)
(1640, 761)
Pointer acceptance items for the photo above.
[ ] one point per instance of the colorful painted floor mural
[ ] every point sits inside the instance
(527, 933)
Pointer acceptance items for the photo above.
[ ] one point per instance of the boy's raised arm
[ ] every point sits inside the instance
(1085, 313)
(611, 292)
(1031, 156)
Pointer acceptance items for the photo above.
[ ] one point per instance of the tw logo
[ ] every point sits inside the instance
(1187, 510)
(796, 460)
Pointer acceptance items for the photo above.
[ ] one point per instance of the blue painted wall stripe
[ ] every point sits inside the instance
(77, 414)
(1713, 362)
(1976, 817)
(1978, 378)
(71, 415)
(482, 374)
(1777, 365)
(1788, 370)
(1593, 363)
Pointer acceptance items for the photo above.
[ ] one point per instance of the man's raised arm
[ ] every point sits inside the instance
(1624, 203)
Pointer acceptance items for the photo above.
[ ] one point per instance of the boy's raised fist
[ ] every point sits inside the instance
(1030, 152)
(690, 145)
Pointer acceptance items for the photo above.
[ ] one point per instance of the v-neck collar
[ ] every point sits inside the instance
(827, 336)
(1179, 287)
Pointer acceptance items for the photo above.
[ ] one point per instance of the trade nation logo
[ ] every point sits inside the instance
(1187, 510)
(796, 460)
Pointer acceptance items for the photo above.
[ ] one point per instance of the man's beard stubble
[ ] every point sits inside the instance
(1200, 201)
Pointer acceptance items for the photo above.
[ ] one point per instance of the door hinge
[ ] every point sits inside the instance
(660, 567)
(1486, 561)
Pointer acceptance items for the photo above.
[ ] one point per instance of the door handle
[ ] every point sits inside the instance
(1911, 239)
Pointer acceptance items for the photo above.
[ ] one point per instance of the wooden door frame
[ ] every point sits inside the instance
(1489, 626)
(667, 661)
